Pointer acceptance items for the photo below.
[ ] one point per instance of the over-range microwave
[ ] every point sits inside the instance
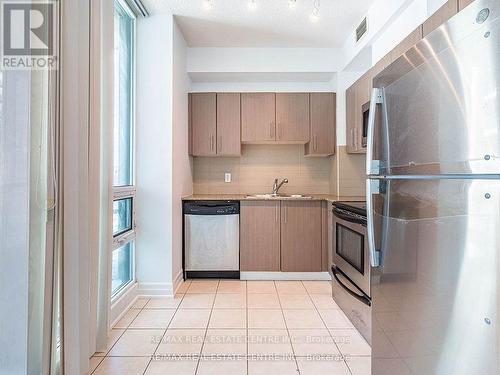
(365, 110)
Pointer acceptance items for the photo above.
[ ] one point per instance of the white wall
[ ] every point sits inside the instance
(182, 181)
(154, 154)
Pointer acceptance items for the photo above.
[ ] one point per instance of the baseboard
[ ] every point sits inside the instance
(123, 304)
(285, 276)
(155, 289)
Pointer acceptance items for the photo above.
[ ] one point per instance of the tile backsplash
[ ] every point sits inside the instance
(254, 172)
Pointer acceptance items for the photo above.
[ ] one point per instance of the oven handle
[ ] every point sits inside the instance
(348, 218)
(360, 297)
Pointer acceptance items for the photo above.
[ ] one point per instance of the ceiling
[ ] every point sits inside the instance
(231, 23)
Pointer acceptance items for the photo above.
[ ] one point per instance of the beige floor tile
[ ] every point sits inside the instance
(190, 318)
(232, 286)
(312, 342)
(122, 366)
(265, 318)
(222, 367)
(161, 366)
(181, 342)
(93, 363)
(197, 301)
(324, 301)
(335, 319)
(318, 287)
(296, 301)
(302, 319)
(164, 302)
(140, 303)
(135, 342)
(359, 365)
(155, 318)
(316, 366)
(183, 287)
(269, 342)
(272, 367)
(350, 342)
(127, 318)
(230, 301)
(290, 287)
(113, 337)
(263, 301)
(205, 286)
(226, 342)
(260, 287)
(228, 318)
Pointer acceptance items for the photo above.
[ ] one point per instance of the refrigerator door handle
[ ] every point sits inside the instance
(360, 297)
(372, 187)
(372, 166)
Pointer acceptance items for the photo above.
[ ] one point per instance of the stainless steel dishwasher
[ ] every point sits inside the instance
(211, 239)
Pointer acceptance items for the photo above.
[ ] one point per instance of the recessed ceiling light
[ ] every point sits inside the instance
(208, 4)
(292, 4)
(252, 4)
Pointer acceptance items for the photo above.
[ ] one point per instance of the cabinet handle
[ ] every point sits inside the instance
(219, 145)
(355, 139)
(285, 219)
(210, 140)
(276, 211)
(315, 142)
(352, 138)
(280, 130)
(272, 130)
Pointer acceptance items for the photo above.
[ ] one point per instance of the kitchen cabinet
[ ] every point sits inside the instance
(258, 117)
(228, 124)
(350, 102)
(463, 3)
(324, 236)
(204, 124)
(292, 117)
(301, 241)
(413, 38)
(357, 97)
(190, 125)
(443, 14)
(260, 236)
(322, 124)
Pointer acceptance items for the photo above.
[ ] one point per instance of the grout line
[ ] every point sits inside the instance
(287, 330)
(328, 329)
(206, 329)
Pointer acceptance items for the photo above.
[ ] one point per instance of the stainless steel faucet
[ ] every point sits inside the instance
(277, 186)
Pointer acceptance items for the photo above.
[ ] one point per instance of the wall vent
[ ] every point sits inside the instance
(361, 29)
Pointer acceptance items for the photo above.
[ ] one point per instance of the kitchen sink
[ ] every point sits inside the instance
(279, 196)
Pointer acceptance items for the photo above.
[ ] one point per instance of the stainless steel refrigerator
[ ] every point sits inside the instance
(433, 202)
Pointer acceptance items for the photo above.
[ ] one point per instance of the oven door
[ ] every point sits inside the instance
(351, 253)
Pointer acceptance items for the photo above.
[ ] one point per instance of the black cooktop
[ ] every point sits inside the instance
(357, 207)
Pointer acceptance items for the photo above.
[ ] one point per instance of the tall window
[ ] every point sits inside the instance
(123, 150)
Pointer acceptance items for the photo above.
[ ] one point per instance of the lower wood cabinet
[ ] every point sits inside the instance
(260, 236)
(301, 240)
(282, 236)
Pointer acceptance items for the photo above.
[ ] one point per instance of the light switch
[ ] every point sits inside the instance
(227, 177)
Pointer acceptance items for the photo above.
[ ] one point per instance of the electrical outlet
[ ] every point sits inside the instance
(227, 177)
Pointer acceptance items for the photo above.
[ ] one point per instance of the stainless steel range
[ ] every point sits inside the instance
(351, 264)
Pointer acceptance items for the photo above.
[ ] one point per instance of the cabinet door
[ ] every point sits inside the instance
(204, 120)
(258, 117)
(350, 107)
(463, 3)
(292, 117)
(228, 124)
(413, 38)
(301, 236)
(190, 126)
(443, 14)
(322, 137)
(260, 236)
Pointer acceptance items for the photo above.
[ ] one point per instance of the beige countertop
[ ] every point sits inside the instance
(243, 197)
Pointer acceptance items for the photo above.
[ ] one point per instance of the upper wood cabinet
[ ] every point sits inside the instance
(443, 14)
(413, 38)
(463, 3)
(357, 97)
(292, 117)
(322, 124)
(301, 240)
(350, 101)
(260, 235)
(258, 117)
(228, 124)
(204, 124)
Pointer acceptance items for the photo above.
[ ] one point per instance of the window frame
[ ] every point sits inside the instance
(127, 191)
